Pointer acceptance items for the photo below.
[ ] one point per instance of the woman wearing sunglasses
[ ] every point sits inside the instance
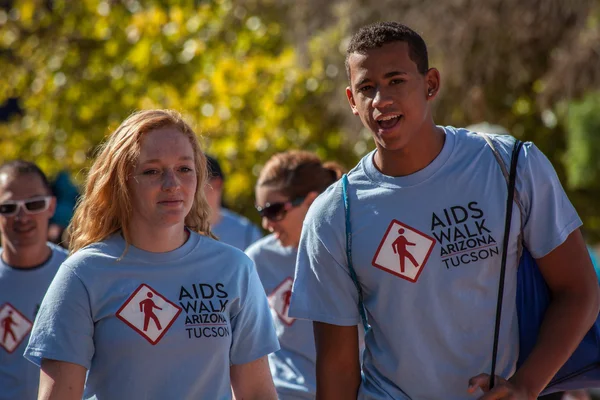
(149, 303)
(287, 185)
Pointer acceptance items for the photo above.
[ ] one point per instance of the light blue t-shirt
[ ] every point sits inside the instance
(292, 367)
(426, 249)
(236, 230)
(155, 325)
(21, 292)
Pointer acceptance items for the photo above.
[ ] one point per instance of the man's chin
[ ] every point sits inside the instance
(397, 142)
(26, 242)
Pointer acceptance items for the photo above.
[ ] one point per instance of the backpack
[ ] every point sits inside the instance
(582, 369)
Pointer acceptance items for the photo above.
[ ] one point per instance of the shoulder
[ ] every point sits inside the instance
(263, 247)
(504, 144)
(472, 141)
(235, 218)
(60, 253)
(97, 253)
(222, 253)
(328, 205)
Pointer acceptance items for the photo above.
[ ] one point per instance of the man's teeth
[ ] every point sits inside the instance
(388, 118)
(23, 229)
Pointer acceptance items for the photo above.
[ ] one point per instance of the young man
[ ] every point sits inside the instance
(432, 325)
(229, 227)
(27, 265)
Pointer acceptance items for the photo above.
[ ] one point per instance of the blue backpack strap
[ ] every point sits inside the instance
(361, 305)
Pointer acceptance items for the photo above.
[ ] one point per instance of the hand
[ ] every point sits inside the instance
(503, 389)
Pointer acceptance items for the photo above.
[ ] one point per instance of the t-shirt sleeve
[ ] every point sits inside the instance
(63, 329)
(252, 326)
(323, 289)
(549, 215)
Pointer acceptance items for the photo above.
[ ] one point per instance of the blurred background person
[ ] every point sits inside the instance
(287, 185)
(229, 227)
(27, 265)
(66, 193)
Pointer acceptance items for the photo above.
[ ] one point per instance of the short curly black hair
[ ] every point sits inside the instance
(22, 167)
(380, 33)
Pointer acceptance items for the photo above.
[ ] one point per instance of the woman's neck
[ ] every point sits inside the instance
(159, 240)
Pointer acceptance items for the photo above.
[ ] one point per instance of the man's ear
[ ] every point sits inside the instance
(52, 207)
(432, 79)
(350, 97)
(216, 184)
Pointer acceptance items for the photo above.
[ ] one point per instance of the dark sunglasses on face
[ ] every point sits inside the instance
(277, 211)
(31, 206)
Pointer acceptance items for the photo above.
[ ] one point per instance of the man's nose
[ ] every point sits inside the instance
(381, 99)
(21, 212)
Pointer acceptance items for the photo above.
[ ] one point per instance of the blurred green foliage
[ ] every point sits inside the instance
(254, 77)
(80, 68)
(583, 143)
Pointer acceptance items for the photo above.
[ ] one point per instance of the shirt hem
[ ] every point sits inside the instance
(261, 353)
(36, 356)
(564, 234)
(302, 314)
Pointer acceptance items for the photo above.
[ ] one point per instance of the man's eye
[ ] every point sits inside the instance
(365, 88)
(150, 172)
(397, 81)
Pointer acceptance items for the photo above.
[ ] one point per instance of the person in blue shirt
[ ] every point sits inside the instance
(441, 188)
(228, 226)
(287, 185)
(27, 265)
(149, 305)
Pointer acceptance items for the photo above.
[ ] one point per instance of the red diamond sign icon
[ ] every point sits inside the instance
(403, 251)
(149, 313)
(14, 327)
(279, 300)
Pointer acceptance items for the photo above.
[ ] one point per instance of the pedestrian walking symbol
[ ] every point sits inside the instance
(403, 251)
(14, 327)
(147, 307)
(149, 313)
(279, 300)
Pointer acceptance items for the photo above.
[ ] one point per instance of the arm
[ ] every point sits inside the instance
(60, 380)
(338, 367)
(570, 276)
(252, 381)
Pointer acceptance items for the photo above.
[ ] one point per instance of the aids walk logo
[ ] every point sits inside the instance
(403, 251)
(206, 306)
(149, 313)
(279, 300)
(14, 327)
(463, 235)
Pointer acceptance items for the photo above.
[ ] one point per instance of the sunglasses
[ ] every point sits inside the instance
(278, 211)
(34, 205)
